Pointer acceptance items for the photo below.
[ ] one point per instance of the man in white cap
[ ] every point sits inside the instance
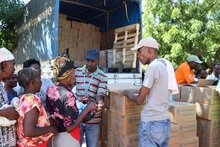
(184, 73)
(7, 134)
(154, 128)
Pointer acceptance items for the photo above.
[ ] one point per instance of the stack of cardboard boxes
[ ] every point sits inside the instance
(207, 101)
(208, 116)
(77, 37)
(121, 118)
(183, 128)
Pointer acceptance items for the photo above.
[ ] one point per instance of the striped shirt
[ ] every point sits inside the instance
(92, 84)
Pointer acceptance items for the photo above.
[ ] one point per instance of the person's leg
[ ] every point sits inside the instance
(92, 135)
(82, 129)
(167, 134)
(144, 135)
(160, 132)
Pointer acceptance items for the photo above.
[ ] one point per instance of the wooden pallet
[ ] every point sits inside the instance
(126, 38)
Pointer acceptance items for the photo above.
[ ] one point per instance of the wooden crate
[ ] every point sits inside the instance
(126, 38)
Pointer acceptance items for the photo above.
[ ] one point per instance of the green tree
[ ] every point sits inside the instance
(10, 12)
(184, 27)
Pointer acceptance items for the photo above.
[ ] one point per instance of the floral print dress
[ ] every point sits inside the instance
(61, 105)
(27, 103)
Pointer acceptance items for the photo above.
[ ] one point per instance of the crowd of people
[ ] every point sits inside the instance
(39, 112)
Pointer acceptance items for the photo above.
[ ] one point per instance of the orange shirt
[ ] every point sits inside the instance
(184, 75)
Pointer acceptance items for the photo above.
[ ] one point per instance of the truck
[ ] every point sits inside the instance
(49, 28)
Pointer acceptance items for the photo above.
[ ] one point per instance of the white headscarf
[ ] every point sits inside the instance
(5, 55)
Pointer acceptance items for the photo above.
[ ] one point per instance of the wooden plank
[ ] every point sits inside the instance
(130, 27)
(123, 46)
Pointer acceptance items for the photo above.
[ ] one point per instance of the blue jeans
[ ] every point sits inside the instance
(154, 133)
(92, 134)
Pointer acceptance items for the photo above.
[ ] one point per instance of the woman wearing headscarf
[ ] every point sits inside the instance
(33, 125)
(62, 107)
(7, 134)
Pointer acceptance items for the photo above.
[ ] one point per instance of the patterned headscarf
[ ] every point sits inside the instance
(63, 67)
(5, 55)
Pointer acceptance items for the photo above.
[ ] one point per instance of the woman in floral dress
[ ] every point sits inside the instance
(33, 126)
(61, 105)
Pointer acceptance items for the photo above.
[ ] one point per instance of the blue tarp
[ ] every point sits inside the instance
(106, 14)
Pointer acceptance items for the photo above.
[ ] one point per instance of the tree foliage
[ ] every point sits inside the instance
(10, 11)
(184, 27)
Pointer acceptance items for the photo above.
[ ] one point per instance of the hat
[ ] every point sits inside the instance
(62, 67)
(194, 58)
(148, 42)
(92, 54)
(6, 55)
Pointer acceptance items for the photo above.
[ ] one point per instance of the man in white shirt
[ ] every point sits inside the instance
(216, 73)
(154, 129)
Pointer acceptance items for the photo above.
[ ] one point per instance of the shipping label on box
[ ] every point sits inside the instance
(187, 94)
(207, 95)
(182, 112)
(125, 125)
(208, 111)
(190, 142)
(188, 129)
(208, 127)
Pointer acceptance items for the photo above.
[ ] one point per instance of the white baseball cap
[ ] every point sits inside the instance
(147, 42)
(5, 55)
(194, 58)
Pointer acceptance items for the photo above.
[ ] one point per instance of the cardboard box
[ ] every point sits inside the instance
(207, 111)
(207, 95)
(190, 142)
(187, 94)
(188, 129)
(75, 25)
(121, 104)
(106, 118)
(182, 112)
(208, 127)
(175, 130)
(212, 141)
(174, 141)
(125, 141)
(125, 125)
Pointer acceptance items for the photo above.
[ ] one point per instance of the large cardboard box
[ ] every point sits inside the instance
(190, 142)
(107, 136)
(125, 141)
(188, 129)
(121, 104)
(187, 94)
(208, 141)
(174, 141)
(208, 127)
(207, 95)
(207, 111)
(125, 125)
(175, 130)
(106, 118)
(182, 112)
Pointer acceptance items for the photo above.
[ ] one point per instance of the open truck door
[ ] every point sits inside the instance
(56, 27)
